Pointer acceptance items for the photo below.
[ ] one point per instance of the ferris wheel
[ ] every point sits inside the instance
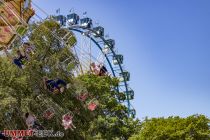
(94, 46)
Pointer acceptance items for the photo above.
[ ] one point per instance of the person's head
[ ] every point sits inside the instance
(18, 52)
(93, 64)
(26, 115)
(26, 44)
(45, 78)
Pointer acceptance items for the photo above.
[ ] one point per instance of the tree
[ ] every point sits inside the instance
(174, 128)
(110, 121)
(22, 90)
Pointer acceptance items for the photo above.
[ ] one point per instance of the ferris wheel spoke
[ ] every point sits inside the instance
(88, 54)
(101, 58)
(83, 61)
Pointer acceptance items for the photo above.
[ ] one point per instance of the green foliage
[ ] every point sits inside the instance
(174, 128)
(22, 91)
(111, 121)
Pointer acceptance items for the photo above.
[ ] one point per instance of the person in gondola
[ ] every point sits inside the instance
(54, 86)
(19, 61)
(28, 49)
(103, 71)
(99, 70)
(21, 58)
(32, 122)
(94, 68)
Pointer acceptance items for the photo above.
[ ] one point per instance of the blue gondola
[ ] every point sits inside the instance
(72, 19)
(130, 94)
(86, 22)
(121, 96)
(98, 31)
(124, 76)
(61, 20)
(117, 59)
(110, 43)
(132, 113)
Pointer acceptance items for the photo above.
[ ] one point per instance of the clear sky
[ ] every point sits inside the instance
(166, 45)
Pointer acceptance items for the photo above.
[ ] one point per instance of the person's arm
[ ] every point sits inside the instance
(34, 117)
(25, 52)
(91, 69)
(29, 50)
(28, 124)
(22, 52)
(97, 70)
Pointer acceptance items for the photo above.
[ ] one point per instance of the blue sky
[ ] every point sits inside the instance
(166, 47)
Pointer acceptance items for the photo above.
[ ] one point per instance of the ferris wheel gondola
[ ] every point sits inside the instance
(98, 31)
(72, 19)
(86, 22)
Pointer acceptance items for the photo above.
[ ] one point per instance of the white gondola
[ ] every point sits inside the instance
(121, 96)
(72, 19)
(86, 22)
(61, 20)
(132, 113)
(124, 76)
(117, 59)
(98, 31)
(130, 94)
(209, 125)
(108, 46)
